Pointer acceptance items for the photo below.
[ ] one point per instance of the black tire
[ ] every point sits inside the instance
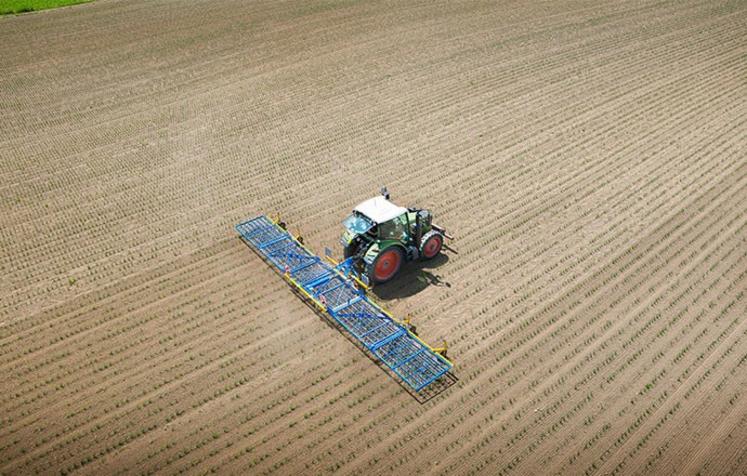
(431, 244)
(386, 265)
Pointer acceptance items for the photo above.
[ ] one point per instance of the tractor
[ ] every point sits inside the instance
(379, 236)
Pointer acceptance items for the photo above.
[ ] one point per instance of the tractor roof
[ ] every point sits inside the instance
(379, 209)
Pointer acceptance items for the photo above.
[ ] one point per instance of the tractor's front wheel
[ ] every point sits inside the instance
(431, 244)
(386, 265)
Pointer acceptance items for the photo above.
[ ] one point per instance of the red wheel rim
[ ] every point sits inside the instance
(386, 265)
(432, 247)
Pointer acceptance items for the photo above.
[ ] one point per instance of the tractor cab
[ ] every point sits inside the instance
(380, 235)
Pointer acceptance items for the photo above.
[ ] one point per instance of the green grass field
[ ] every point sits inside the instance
(22, 6)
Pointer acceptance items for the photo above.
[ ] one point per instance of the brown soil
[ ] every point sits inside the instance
(589, 157)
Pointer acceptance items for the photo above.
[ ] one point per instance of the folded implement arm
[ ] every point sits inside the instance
(335, 293)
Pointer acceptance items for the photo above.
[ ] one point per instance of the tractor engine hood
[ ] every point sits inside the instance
(347, 237)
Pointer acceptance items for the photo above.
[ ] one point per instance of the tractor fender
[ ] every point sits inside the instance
(371, 253)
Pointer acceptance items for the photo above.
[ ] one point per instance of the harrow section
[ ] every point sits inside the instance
(333, 291)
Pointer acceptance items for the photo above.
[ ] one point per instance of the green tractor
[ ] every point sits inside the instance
(379, 236)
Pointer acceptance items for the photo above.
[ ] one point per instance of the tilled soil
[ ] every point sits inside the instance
(589, 158)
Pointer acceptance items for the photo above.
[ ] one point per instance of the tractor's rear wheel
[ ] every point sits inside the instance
(386, 265)
(431, 244)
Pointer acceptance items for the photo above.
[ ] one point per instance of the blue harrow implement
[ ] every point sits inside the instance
(335, 292)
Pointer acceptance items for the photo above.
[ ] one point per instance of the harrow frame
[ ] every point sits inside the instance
(335, 290)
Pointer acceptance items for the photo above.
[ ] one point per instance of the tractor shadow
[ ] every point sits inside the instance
(414, 277)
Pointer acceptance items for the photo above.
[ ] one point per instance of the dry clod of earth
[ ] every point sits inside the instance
(589, 156)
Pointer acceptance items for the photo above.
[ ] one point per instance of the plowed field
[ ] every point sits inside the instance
(590, 158)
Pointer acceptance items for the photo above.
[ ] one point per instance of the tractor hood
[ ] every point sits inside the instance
(380, 210)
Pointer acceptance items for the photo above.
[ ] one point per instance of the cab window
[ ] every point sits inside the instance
(394, 229)
(357, 223)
